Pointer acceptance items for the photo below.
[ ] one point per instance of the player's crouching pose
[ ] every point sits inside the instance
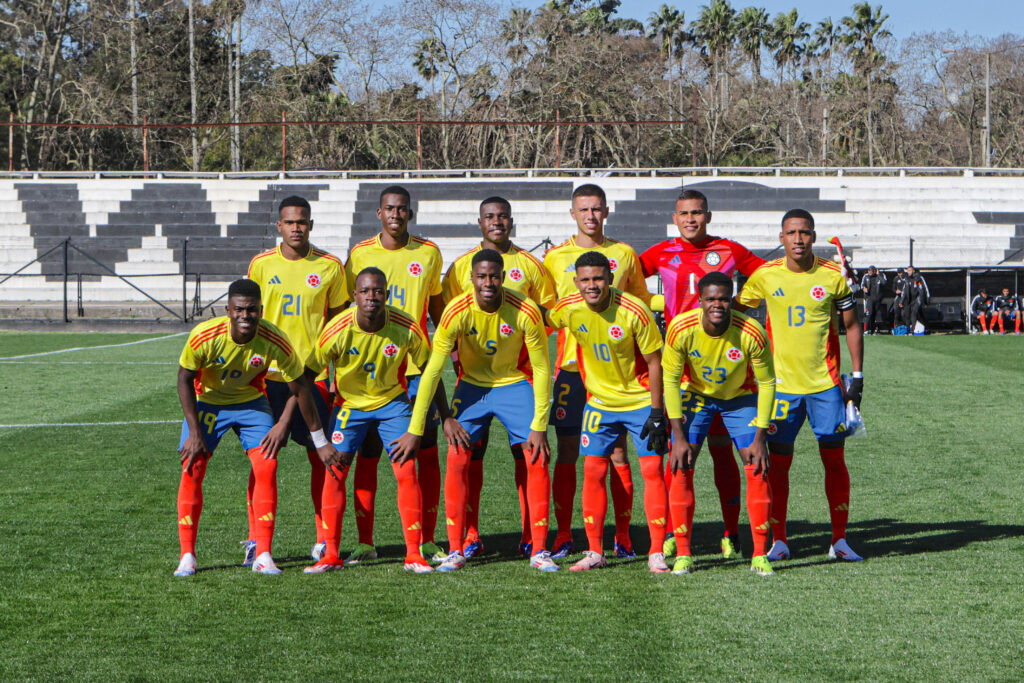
(502, 349)
(370, 346)
(803, 293)
(619, 348)
(220, 385)
(712, 350)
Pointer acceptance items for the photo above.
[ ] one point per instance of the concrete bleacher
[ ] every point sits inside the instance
(137, 227)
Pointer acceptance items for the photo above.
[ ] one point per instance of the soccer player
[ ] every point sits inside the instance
(682, 261)
(711, 352)
(303, 287)
(527, 277)
(503, 350)
(1007, 306)
(220, 386)
(589, 210)
(412, 266)
(803, 293)
(619, 350)
(982, 310)
(369, 346)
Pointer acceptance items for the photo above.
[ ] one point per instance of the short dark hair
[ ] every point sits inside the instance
(294, 200)
(715, 277)
(590, 190)
(799, 213)
(496, 200)
(593, 258)
(693, 194)
(395, 189)
(488, 256)
(245, 287)
(371, 270)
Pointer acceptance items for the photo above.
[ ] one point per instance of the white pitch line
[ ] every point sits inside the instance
(90, 348)
(92, 424)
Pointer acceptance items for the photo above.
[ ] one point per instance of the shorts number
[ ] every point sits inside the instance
(233, 374)
(491, 346)
(563, 394)
(781, 409)
(602, 351)
(455, 406)
(698, 401)
(292, 304)
(371, 368)
(208, 419)
(343, 416)
(796, 316)
(591, 421)
(715, 375)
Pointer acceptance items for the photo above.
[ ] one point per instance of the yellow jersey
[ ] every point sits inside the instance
(801, 321)
(369, 367)
(297, 294)
(495, 349)
(610, 346)
(230, 373)
(560, 262)
(524, 274)
(718, 367)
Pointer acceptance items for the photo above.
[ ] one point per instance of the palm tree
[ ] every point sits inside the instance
(752, 29)
(667, 26)
(862, 32)
(713, 33)
(515, 29)
(789, 36)
(824, 41)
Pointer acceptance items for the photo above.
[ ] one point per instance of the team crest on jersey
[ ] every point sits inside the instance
(772, 428)
(683, 419)
(390, 350)
(616, 332)
(560, 413)
(516, 275)
(584, 440)
(506, 330)
(256, 361)
(614, 264)
(734, 354)
(818, 292)
(313, 280)
(712, 258)
(337, 436)
(415, 269)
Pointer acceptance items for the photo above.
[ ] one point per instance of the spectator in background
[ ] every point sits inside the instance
(871, 286)
(899, 283)
(983, 311)
(915, 297)
(1007, 307)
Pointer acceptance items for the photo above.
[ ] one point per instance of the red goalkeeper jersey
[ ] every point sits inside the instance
(682, 264)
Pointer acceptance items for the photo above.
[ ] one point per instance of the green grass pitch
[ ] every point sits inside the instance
(88, 543)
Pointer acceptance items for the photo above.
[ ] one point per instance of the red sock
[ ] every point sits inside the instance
(981, 318)
(1016, 324)
(524, 503)
(655, 500)
(409, 507)
(595, 500)
(538, 492)
(456, 492)
(332, 510)
(837, 489)
(1001, 329)
(476, 485)
(248, 505)
(622, 502)
(778, 480)
(759, 503)
(668, 487)
(727, 481)
(317, 472)
(364, 490)
(563, 495)
(429, 476)
(264, 499)
(681, 500)
(190, 504)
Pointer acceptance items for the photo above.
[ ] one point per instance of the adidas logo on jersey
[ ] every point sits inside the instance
(353, 351)
(274, 281)
(695, 354)
(675, 261)
(472, 331)
(582, 328)
(778, 292)
(571, 268)
(220, 360)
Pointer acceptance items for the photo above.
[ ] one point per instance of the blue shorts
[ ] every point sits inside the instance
(350, 426)
(278, 394)
(738, 414)
(251, 421)
(824, 410)
(474, 407)
(601, 428)
(413, 388)
(568, 398)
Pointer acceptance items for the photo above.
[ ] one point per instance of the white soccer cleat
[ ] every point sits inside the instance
(591, 560)
(656, 563)
(542, 562)
(841, 550)
(187, 565)
(318, 551)
(452, 562)
(264, 564)
(779, 551)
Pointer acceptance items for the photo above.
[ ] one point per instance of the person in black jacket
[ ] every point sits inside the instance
(982, 311)
(899, 283)
(1007, 307)
(915, 296)
(872, 286)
